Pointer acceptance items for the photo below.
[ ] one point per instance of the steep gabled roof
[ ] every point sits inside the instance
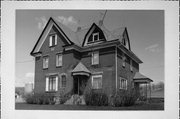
(68, 35)
(78, 37)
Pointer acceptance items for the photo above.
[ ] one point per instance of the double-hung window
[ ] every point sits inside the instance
(122, 83)
(58, 60)
(131, 67)
(97, 81)
(52, 83)
(45, 62)
(52, 40)
(95, 58)
(63, 81)
(123, 60)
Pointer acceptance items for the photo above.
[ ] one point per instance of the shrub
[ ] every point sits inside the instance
(39, 99)
(95, 98)
(124, 98)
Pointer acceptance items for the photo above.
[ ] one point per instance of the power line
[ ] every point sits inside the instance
(26, 61)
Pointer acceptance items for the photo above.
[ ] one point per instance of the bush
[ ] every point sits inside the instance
(95, 98)
(39, 99)
(124, 98)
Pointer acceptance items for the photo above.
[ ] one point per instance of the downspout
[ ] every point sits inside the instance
(116, 66)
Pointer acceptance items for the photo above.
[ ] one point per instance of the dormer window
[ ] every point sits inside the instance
(95, 37)
(52, 40)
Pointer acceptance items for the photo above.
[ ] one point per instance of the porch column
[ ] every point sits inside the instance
(78, 84)
(146, 92)
(150, 90)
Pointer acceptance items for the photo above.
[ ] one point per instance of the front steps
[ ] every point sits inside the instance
(76, 100)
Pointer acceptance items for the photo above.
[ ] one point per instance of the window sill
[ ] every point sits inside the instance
(52, 46)
(94, 64)
(96, 88)
(122, 89)
(97, 41)
(45, 68)
(58, 66)
(50, 91)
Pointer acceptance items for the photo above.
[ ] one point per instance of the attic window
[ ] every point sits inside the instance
(124, 41)
(52, 40)
(95, 36)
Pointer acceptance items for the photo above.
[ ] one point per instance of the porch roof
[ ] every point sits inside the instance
(80, 69)
(139, 78)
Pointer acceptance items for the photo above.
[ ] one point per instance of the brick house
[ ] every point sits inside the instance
(93, 56)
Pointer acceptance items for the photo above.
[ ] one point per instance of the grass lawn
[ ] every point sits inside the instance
(150, 106)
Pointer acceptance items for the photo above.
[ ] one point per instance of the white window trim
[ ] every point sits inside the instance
(92, 58)
(47, 84)
(96, 76)
(50, 40)
(57, 60)
(120, 79)
(94, 34)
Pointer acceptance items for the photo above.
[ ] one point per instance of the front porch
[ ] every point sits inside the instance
(145, 82)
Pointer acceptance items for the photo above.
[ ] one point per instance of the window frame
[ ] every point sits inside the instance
(122, 83)
(51, 40)
(131, 65)
(52, 83)
(92, 81)
(61, 81)
(123, 60)
(44, 61)
(57, 60)
(95, 34)
(93, 59)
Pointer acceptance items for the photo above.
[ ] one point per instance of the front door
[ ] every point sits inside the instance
(80, 83)
(76, 85)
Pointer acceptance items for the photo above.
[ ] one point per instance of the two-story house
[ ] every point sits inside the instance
(94, 57)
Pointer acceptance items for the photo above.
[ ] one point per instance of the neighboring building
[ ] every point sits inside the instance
(94, 57)
(28, 88)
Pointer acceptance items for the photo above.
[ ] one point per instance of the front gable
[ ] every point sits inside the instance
(50, 28)
(53, 45)
(94, 36)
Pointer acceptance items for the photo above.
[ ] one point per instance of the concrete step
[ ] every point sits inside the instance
(75, 100)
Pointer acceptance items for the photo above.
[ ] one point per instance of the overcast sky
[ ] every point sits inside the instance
(145, 29)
